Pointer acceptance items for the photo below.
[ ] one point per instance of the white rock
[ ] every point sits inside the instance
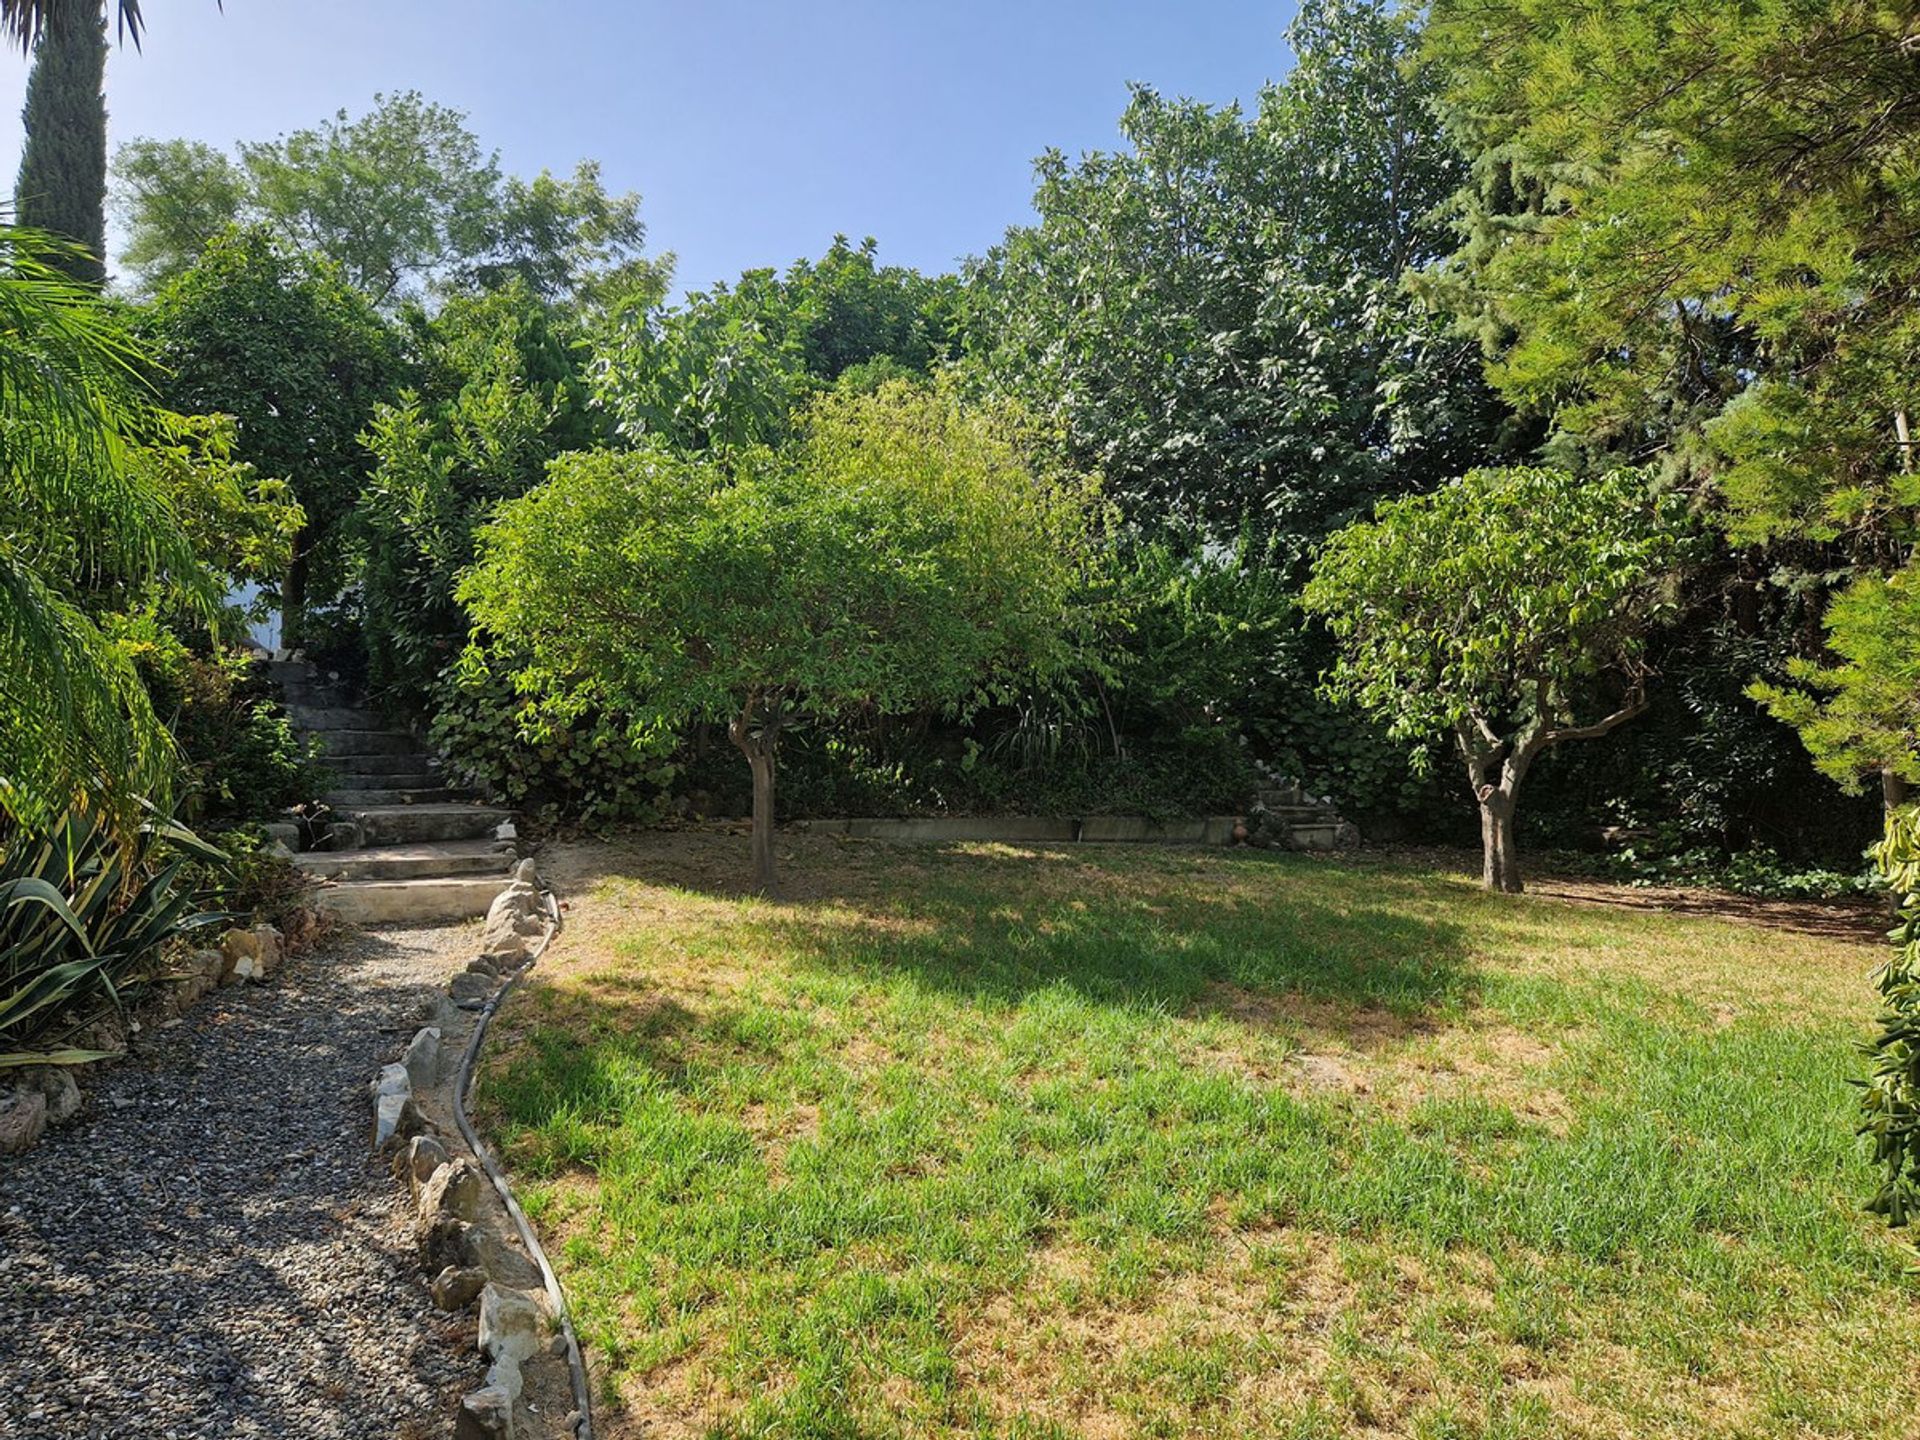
(415, 1163)
(510, 1323)
(505, 1373)
(422, 1060)
(394, 1119)
(502, 939)
(393, 1080)
(514, 923)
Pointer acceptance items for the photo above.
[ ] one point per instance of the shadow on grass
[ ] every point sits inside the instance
(1268, 943)
(1170, 951)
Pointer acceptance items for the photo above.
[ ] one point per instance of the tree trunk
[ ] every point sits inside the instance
(760, 746)
(1894, 790)
(1500, 861)
(293, 595)
(765, 880)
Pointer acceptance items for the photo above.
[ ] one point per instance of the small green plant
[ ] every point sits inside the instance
(254, 883)
(83, 913)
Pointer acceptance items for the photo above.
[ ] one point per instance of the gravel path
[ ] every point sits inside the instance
(211, 1250)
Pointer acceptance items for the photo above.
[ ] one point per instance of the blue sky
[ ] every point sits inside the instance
(754, 131)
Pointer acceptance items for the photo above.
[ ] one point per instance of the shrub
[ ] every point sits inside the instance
(255, 885)
(243, 760)
(83, 914)
(1890, 1101)
(515, 750)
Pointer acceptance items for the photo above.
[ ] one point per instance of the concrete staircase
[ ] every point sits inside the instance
(1292, 819)
(397, 846)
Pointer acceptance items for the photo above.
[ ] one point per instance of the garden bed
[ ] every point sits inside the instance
(1069, 1141)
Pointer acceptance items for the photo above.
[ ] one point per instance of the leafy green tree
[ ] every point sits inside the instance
(709, 375)
(1495, 610)
(728, 368)
(403, 199)
(62, 187)
(283, 344)
(174, 197)
(1214, 316)
(1696, 234)
(80, 521)
(499, 397)
(901, 555)
(241, 526)
(1890, 1096)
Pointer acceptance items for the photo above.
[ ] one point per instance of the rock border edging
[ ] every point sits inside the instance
(472, 1250)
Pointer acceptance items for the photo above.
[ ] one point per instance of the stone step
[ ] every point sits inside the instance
(439, 861)
(323, 698)
(361, 799)
(302, 684)
(1315, 837)
(1304, 814)
(333, 717)
(383, 772)
(355, 743)
(416, 824)
(410, 902)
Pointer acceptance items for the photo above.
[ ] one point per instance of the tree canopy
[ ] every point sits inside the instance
(403, 199)
(1696, 217)
(298, 358)
(902, 553)
(729, 366)
(1214, 316)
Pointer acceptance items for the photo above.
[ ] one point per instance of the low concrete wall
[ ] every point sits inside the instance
(1035, 829)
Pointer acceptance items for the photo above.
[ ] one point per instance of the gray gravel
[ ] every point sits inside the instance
(211, 1250)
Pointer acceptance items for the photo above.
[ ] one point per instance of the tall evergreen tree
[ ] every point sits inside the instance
(63, 171)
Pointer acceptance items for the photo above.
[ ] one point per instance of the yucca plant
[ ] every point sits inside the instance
(84, 912)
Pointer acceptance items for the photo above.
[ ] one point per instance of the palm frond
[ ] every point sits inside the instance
(24, 21)
(76, 520)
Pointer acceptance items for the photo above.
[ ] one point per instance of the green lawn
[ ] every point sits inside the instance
(1105, 1142)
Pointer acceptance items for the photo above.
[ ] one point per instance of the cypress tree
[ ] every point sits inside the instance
(63, 170)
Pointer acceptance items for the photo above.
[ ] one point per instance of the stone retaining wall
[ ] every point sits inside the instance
(1034, 829)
